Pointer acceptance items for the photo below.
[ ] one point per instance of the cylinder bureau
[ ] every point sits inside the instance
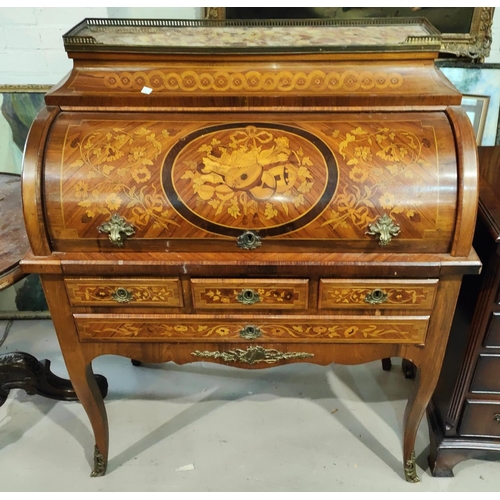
(251, 194)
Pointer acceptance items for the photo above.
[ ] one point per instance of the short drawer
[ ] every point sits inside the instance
(492, 337)
(487, 374)
(379, 294)
(183, 327)
(481, 418)
(124, 291)
(248, 294)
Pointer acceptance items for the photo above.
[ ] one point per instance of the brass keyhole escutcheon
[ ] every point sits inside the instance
(118, 230)
(122, 295)
(496, 417)
(249, 240)
(384, 229)
(250, 332)
(376, 296)
(248, 297)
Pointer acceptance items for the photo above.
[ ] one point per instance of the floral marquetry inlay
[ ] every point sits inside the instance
(178, 182)
(377, 162)
(119, 165)
(224, 296)
(362, 330)
(146, 293)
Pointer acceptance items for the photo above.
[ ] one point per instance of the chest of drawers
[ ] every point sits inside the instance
(464, 414)
(251, 195)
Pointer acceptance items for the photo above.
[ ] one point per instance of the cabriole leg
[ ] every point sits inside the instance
(425, 383)
(90, 397)
(79, 367)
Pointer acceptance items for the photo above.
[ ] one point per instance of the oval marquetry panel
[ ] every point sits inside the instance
(329, 329)
(267, 293)
(263, 177)
(110, 292)
(398, 294)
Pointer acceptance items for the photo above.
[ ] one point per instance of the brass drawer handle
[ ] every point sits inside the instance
(384, 228)
(376, 296)
(248, 297)
(253, 355)
(496, 417)
(249, 240)
(118, 229)
(250, 332)
(122, 295)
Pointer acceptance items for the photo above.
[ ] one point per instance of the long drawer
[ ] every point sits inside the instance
(151, 292)
(213, 328)
(379, 294)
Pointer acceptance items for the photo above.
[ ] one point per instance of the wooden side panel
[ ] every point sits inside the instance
(124, 291)
(32, 181)
(377, 294)
(468, 192)
(192, 328)
(248, 294)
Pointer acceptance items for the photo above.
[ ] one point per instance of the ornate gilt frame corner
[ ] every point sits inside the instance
(476, 44)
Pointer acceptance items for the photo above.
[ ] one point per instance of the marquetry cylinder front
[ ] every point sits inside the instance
(342, 181)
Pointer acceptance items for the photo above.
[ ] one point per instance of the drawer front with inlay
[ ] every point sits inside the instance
(248, 294)
(380, 294)
(481, 418)
(124, 291)
(331, 329)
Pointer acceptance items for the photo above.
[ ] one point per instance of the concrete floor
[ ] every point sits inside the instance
(299, 427)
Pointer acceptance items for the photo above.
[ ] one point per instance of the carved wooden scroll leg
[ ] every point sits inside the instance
(20, 370)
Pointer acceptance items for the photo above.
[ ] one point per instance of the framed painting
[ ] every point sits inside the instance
(19, 105)
(466, 31)
(476, 107)
(479, 80)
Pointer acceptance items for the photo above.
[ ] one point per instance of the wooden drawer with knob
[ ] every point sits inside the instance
(150, 292)
(215, 328)
(481, 418)
(492, 337)
(486, 378)
(249, 294)
(377, 294)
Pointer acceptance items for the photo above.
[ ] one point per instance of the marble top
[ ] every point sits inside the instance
(328, 35)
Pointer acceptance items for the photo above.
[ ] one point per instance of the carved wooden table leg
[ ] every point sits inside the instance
(20, 370)
(409, 369)
(386, 364)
